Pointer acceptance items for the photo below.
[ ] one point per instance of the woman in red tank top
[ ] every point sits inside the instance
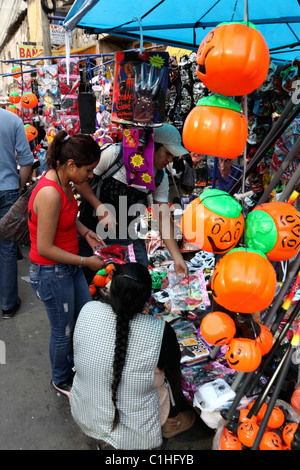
(55, 273)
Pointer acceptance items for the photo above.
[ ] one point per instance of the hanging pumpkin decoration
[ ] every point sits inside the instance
(31, 132)
(243, 281)
(15, 71)
(216, 126)
(229, 441)
(264, 339)
(217, 328)
(243, 354)
(233, 59)
(247, 432)
(213, 222)
(29, 100)
(12, 109)
(274, 229)
(270, 441)
(14, 97)
(288, 433)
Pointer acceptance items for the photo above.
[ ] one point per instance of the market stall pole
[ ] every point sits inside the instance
(283, 370)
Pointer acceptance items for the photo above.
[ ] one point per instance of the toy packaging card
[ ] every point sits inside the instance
(138, 158)
(140, 87)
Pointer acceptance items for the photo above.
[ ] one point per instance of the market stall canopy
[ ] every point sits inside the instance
(184, 23)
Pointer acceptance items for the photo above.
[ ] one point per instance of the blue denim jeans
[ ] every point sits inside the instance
(8, 257)
(64, 291)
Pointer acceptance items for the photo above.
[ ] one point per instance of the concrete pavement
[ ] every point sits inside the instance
(33, 416)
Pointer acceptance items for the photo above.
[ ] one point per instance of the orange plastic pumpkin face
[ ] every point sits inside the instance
(264, 339)
(217, 328)
(233, 59)
(244, 416)
(29, 100)
(274, 228)
(12, 109)
(14, 98)
(99, 280)
(270, 441)
(243, 354)
(213, 224)
(243, 281)
(93, 289)
(31, 132)
(276, 419)
(247, 432)
(229, 441)
(15, 71)
(215, 130)
(288, 433)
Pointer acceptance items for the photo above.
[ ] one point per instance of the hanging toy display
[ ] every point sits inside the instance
(244, 281)
(31, 132)
(138, 157)
(217, 127)
(213, 222)
(233, 59)
(274, 229)
(16, 71)
(29, 100)
(12, 109)
(243, 354)
(14, 97)
(218, 328)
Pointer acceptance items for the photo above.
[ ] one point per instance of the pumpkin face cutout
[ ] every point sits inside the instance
(31, 132)
(243, 281)
(288, 433)
(270, 441)
(213, 222)
(247, 432)
(264, 340)
(243, 354)
(229, 441)
(233, 59)
(29, 100)
(217, 328)
(216, 127)
(274, 229)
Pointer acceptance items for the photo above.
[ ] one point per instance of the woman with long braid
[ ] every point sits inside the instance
(119, 353)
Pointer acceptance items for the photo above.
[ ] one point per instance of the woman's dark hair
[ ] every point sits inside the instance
(130, 290)
(81, 148)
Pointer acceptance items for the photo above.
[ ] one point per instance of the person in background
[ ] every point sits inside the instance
(15, 151)
(121, 357)
(167, 145)
(56, 268)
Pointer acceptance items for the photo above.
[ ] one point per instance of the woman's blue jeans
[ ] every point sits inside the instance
(8, 257)
(64, 291)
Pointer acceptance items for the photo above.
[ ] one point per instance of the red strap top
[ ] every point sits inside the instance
(66, 236)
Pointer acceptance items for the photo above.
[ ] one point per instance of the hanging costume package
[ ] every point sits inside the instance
(138, 158)
(140, 87)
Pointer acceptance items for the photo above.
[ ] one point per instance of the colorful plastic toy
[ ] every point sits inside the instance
(31, 132)
(29, 100)
(233, 59)
(216, 126)
(264, 339)
(14, 97)
(243, 355)
(274, 229)
(270, 441)
(213, 222)
(217, 328)
(244, 281)
(247, 432)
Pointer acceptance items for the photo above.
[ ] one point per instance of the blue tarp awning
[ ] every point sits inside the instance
(184, 23)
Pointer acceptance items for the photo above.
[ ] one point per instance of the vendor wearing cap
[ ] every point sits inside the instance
(115, 193)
